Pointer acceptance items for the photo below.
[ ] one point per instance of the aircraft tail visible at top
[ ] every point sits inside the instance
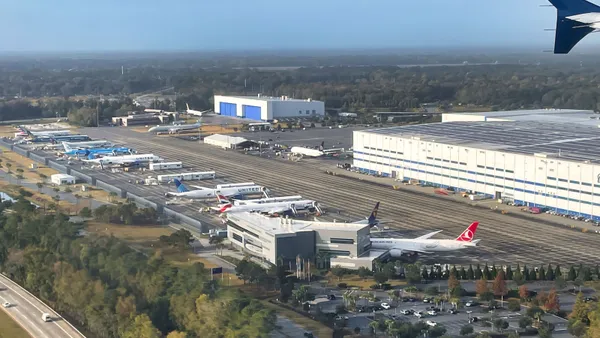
(373, 217)
(180, 186)
(469, 233)
(575, 20)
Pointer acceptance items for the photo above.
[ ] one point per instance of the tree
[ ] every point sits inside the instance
(572, 274)
(356, 330)
(518, 278)
(557, 271)
(509, 273)
(532, 275)
(478, 272)
(514, 305)
(544, 332)
(481, 287)
(500, 324)
(453, 283)
(425, 274)
(462, 274)
(541, 273)
(560, 283)
(577, 328)
(535, 312)
(380, 277)
(39, 186)
(550, 273)
(338, 271)
(552, 303)
(85, 212)
(364, 272)
(142, 328)
(524, 322)
(111, 196)
(514, 334)
(580, 310)
(470, 273)
(177, 334)
(499, 285)
(466, 330)
(411, 272)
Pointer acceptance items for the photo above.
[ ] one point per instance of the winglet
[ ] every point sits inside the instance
(469, 233)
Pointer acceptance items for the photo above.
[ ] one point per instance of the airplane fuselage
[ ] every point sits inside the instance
(419, 245)
(206, 193)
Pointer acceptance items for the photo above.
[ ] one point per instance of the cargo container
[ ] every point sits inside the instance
(205, 175)
(165, 165)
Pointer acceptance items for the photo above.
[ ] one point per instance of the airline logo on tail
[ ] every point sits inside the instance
(469, 233)
(180, 186)
(373, 217)
(225, 207)
(222, 199)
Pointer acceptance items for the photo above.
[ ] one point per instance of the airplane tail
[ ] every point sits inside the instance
(187, 106)
(222, 199)
(225, 207)
(67, 146)
(569, 32)
(469, 233)
(373, 217)
(180, 186)
(322, 146)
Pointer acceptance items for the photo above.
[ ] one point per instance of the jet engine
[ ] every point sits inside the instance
(396, 253)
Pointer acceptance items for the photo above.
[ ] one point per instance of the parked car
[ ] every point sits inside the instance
(6, 304)
(431, 323)
(406, 312)
(386, 306)
(432, 313)
(418, 314)
(470, 303)
(452, 311)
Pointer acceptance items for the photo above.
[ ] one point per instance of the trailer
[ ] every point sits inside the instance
(205, 175)
(165, 165)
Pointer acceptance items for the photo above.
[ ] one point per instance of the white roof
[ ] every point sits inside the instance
(62, 176)
(279, 226)
(225, 139)
(271, 98)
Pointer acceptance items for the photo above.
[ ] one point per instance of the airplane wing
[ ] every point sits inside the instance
(277, 210)
(568, 34)
(574, 20)
(429, 235)
(400, 248)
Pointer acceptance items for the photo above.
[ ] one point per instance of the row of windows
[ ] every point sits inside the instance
(307, 112)
(572, 181)
(384, 150)
(503, 186)
(240, 229)
(237, 237)
(336, 252)
(341, 240)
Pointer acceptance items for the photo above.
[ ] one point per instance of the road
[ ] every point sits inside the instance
(27, 311)
(506, 239)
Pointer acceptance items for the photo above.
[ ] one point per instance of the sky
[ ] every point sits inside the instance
(208, 25)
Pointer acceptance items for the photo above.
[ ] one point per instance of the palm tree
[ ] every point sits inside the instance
(8, 165)
(39, 186)
(374, 325)
(111, 196)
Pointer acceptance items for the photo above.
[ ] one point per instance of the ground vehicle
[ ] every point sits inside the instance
(426, 300)
(469, 303)
(406, 312)
(452, 311)
(431, 323)
(331, 297)
(432, 313)
(46, 317)
(385, 306)
(6, 304)
(418, 314)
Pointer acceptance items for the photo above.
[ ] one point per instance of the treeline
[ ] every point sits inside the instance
(125, 213)
(113, 291)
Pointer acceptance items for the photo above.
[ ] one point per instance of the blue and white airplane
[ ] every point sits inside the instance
(575, 20)
(92, 153)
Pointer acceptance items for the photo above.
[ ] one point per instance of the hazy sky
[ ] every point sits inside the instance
(69, 25)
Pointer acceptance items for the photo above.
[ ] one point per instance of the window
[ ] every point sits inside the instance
(480, 166)
(510, 171)
(562, 180)
(336, 252)
(300, 112)
(239, 228)
(237, 237)
(552, 178)
(314, 112)
(574, 182)
(462, 163)
(341, 241)
(307, 112)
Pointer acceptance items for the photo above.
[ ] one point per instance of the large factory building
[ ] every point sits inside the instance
(544, 158)
(266, 108)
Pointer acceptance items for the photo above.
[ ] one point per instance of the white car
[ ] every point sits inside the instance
(418, 314)
(431, 323)
(386, 306)
(432, 313)
(6, 304)
(469, 304)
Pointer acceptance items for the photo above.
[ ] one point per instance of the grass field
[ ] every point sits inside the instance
(22, 162)
(9, 328)
(145, 239)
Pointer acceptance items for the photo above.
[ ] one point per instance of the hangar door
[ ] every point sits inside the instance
(251, 112)
(228, 109)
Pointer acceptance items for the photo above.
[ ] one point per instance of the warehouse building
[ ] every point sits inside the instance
(266, 108)
(545, 159)
(229, 142)
(273, 238)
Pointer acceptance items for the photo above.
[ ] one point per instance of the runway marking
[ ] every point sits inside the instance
(28, 301)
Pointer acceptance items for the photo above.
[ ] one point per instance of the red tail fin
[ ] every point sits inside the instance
(469, 233)
(225, 207)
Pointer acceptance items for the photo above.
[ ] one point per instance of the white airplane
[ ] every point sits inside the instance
(195, 112)
(424, 244)
(223, 199)
(308, 152)
(125, 159)
(86, 145)
(272, 208)
(174, 128)
(206, 193)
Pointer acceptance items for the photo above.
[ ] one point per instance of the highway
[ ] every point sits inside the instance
(26, 310)
(506, 239)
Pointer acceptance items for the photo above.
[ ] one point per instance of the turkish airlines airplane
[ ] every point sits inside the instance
(272, 208)
(206, 193)
(399, 246)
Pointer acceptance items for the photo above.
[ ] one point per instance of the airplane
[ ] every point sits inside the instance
(575, 20)
(175, 128)
(272, 208)
(195, 112)
(372, 220)
(206, 193)
(91, 153)
(59, 138)
(86, 145)
(424, 244)
(24, 132)
(223, 199)
(321, 151)
(125, 160)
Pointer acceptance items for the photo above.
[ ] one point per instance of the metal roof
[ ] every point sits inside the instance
(271, 98)
(571, 141)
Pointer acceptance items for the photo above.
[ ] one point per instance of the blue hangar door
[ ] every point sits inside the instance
(251, 112)
(228, 109)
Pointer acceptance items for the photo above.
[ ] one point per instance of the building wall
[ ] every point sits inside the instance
(343, 242)
(273, 109)
(253, 241)
(302, 243)
(566, 186)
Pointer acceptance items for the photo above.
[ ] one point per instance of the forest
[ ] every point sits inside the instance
(110, 290)
(378, 84)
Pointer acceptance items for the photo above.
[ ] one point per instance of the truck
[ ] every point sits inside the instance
(46, 317)
(477, 197)
(165, 165)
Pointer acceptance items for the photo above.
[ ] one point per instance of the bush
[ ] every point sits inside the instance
(525, 322)
(466, 330)
(342, 285)
(514, 305)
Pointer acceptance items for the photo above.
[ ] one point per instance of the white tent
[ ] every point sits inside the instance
(224, 141)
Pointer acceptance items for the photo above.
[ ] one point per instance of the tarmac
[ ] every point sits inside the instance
(506, 239)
